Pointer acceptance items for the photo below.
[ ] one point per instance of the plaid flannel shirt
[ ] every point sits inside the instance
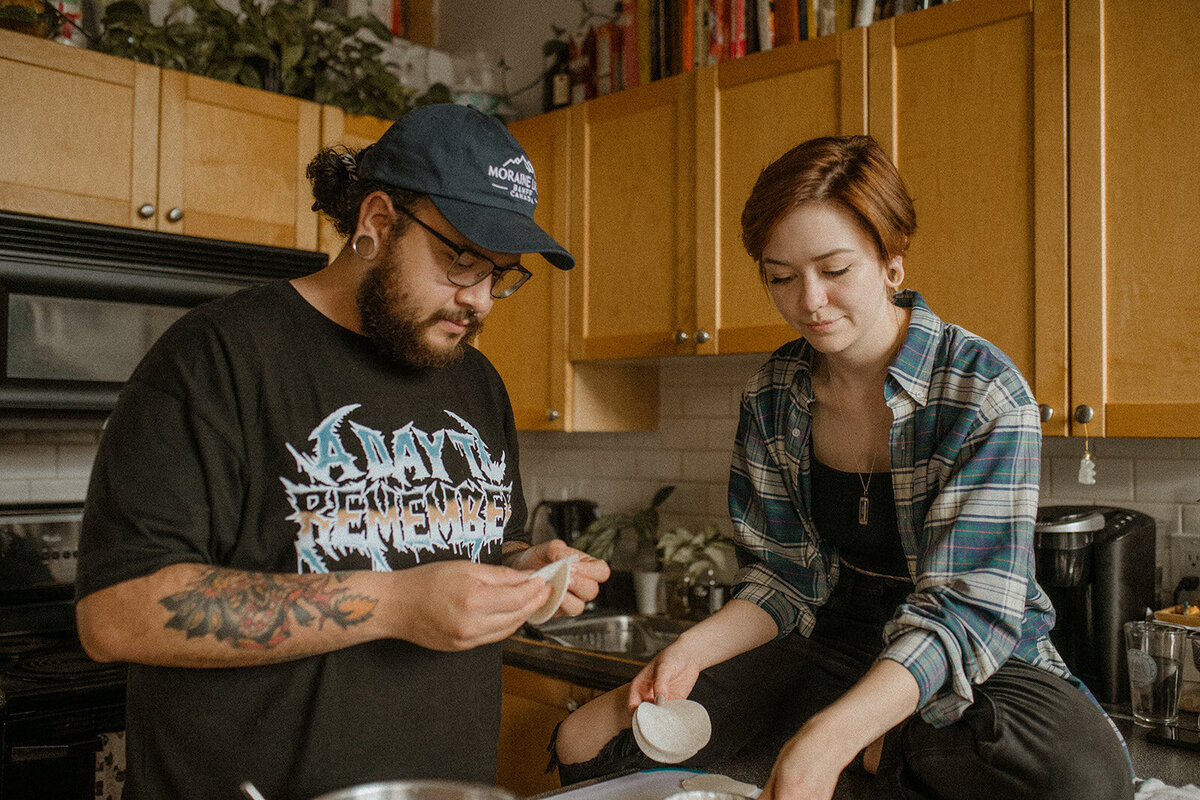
(965, 460)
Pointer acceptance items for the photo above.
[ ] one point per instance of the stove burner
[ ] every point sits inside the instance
(24, 644)
(69, 665)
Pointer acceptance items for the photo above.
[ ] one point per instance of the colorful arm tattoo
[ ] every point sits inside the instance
(256, 610)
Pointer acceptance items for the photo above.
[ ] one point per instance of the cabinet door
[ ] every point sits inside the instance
(80, 133)
(355, 131)
(969, 99)
(525, 335)
(531, 706)
(232, 162)
(749, 112)
(1135, 216)
(632, 221)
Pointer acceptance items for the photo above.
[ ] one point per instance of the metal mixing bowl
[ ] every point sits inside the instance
(419, 790)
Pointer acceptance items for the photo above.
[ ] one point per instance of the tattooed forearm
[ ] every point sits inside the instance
(257, 611)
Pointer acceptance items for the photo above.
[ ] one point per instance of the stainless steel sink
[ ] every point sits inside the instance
(632, 635)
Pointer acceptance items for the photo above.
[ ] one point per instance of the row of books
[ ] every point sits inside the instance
(653, 39)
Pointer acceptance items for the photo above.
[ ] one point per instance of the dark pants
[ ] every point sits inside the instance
(1028, 734)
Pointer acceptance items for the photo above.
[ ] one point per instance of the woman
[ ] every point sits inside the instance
(883, 494)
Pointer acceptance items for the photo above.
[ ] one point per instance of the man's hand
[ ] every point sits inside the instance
(457, 605)
(587, 573)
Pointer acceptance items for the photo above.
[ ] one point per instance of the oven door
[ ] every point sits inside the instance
(59, 754)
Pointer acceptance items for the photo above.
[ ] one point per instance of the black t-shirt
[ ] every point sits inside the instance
(258, 434)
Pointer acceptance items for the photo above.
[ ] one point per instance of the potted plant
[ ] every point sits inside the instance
(302, 49)
(695, 564)
(600, 540)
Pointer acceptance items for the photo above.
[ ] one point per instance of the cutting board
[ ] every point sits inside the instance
(651, 784)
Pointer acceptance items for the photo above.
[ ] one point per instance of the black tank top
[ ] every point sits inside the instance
(874, 547)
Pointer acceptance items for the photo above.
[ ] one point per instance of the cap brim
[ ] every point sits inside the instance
(502, 230)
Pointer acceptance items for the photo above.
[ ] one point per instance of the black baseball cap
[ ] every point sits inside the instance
(473, 170)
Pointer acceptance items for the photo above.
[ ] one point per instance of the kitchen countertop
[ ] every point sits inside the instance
(1173, 765)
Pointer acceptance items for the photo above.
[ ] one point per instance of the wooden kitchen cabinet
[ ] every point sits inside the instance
(232, 161)
(1135, 217)
(80, 133)
(748, 113)
(102, 139)
(525, 335)
(532, 704)
(969, 100)
(632, 221)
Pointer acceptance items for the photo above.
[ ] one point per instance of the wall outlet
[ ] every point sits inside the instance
(1187, 554)
(1185, 560)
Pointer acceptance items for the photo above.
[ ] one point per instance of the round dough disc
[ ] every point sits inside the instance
(718, 783)
(677, 729)
(558, 575)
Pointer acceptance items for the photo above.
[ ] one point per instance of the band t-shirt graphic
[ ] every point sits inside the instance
(261, 436)
(395, 498)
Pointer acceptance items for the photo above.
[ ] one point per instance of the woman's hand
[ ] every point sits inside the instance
(669, 676)
(808, 766)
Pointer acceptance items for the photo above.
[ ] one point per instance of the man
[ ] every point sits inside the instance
(304, 525)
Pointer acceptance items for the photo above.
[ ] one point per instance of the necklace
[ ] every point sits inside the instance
(864, 500)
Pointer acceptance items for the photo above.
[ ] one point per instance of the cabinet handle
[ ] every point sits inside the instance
(1084, 414)
(175, 214)
(681, 337)
(146, 210)
(702, 336)
(1045, 412)
(553, 414)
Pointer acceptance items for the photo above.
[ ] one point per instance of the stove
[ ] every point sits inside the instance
(61, 714)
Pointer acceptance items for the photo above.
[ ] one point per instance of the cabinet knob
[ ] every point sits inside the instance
(146, 210)
(702, 336)
(681, 337)
(572, 705)
(553, 414)
(1084, 414)
(175, 214)
(1045, 412)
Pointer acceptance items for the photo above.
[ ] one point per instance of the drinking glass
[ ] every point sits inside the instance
(1155, 653)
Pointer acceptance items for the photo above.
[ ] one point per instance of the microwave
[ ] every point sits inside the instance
(81, 303)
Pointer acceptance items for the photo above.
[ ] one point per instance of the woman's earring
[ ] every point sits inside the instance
(356, 246)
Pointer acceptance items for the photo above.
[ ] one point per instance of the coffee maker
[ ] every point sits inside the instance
(566, 518)
(1097, 566)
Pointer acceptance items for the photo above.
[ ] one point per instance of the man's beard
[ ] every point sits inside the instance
(390, 323)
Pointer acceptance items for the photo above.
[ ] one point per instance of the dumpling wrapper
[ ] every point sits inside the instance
(718, 783)
(558, 575)
(673, 731)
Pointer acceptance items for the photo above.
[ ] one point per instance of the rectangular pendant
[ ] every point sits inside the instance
(864, 510)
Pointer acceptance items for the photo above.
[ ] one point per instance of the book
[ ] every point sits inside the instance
(630, 69)
(685, 31)
(608, 58)
(644, 45)
(763, 22)
(737, 29)
(787, 21)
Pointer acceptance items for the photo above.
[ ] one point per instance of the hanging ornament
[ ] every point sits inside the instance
(1087, 465)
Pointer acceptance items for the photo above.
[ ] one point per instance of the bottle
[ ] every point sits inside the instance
(556, 84)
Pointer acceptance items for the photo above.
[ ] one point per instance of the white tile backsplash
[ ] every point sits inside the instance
(698, 417)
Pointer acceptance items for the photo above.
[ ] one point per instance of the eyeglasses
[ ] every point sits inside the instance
(469, 268)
